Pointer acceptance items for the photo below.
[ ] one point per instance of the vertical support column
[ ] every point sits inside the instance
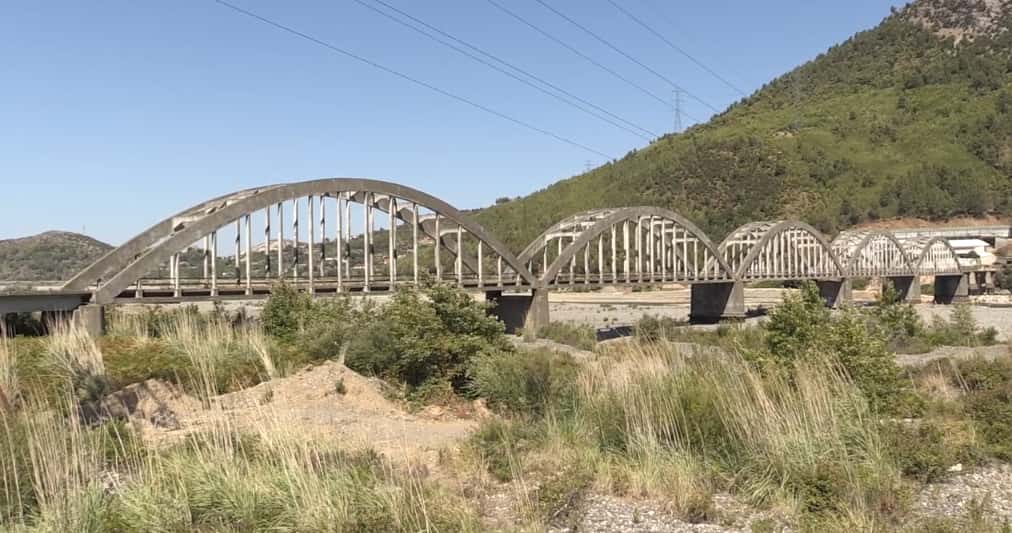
(249, 254)
(712, 302)
(339, 239)
(323, 236)
(367, 240)
(459, 263)
(214, 263)
(392, 241)
(600, 258)
(639, 248)
(481, 260)
(281, 240)
(498, 269)
(664, 250)
(176, 289)
(238, 251)
(436, 256)
(625, 249)
(653, 244)
(614, 255)
(952, 289)
(207, 251)
(347, 235)
(267, 242)
(311, 244)
(586, 264)
(414, 242)
(572, 267)
(295, 240)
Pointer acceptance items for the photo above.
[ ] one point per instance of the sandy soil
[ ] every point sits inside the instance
(308, 403)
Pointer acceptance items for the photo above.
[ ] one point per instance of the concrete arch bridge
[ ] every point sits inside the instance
(350, 235)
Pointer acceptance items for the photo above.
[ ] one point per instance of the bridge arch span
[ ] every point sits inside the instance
(872, 253)
(424, 216)
(933, 256)
(633, 245)
(780, 250)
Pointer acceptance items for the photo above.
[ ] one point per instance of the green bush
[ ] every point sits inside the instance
(524, 382)
(418, 339)
(960, 330)
(924, 450)
(582, 336)
(861, 351)
(796, 325)
(654, 328)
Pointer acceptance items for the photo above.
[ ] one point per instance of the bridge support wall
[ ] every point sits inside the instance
(907, 287)
(952, 289)
(91, 317)
(712, 302)
(520, 311)
(835, 292)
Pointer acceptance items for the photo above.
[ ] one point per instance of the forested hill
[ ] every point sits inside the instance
(50, 256)
(911, 118)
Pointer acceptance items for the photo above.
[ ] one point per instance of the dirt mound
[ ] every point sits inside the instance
(327, 401)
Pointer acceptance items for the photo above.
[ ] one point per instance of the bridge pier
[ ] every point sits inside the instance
(520, 311)
(835, 292)
(952, 289)
(712, 302)
(91, 318)
(908, 288)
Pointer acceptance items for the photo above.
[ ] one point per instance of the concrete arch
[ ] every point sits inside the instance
(932, 249)
(125, 265)
(747, 243)
(579, 219)
(629, 214)
(849, 248)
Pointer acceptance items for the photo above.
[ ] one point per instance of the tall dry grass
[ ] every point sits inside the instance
(58, 473)
(656, 420)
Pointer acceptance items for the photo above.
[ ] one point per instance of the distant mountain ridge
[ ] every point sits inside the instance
(912, 118)
(49, 256)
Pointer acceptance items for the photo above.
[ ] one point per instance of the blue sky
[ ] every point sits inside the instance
(115, 114)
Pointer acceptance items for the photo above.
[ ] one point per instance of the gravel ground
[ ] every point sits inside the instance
(953, 352)
(608, 514)
(1000, 318)
(990, 487)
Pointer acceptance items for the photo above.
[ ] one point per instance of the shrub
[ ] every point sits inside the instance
(524, 382)
(653, 328)
(796, 325)
(924, 450)
(861, 351)
(415, 340)
(582, 336)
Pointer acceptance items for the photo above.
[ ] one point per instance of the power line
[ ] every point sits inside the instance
(506, 72)
(406, 77)
(591, 60)
(627, 56)
(675, 47)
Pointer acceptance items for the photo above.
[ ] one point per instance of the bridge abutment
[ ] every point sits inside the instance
(712, 302)
(952, 289)
(835, 292)
(907, 287)
(520, 311)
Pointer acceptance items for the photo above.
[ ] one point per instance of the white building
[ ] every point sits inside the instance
(973, 252)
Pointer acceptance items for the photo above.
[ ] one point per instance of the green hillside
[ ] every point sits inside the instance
(49, 256)
(911, 118)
